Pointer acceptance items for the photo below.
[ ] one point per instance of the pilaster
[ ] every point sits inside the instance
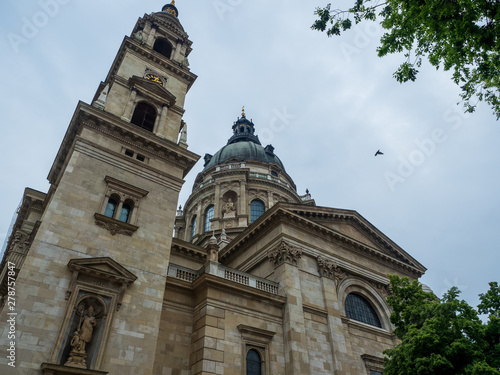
(285, 259)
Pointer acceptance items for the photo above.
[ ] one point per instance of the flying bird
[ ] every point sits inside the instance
(379, 153)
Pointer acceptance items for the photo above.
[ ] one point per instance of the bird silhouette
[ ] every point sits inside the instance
(379, 153)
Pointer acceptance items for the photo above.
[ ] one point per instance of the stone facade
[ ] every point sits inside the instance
(104, 286)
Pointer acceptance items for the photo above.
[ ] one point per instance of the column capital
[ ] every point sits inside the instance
(284, 253)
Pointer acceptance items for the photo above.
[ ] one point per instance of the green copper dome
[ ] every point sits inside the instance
(244, 145)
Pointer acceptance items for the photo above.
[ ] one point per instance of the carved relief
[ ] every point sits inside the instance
(284, 253)
(20, 243)
(382, 289)
(330, 270)
(114, 226)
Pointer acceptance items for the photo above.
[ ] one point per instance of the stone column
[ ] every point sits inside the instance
(199, 221)
(270, 199)
(162, 122)
(285, 259)
(243, 198)
(217, 209)
(127, 113)
(330, 276)
(151, 37)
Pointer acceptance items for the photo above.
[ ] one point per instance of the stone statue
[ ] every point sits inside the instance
(81, 337)
(87, 327)
(229, 208)
(138, 36)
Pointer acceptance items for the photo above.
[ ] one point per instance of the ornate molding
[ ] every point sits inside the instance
(101, 273)
(284, 253)
(331, 270)
(383, 289)
(114, 226)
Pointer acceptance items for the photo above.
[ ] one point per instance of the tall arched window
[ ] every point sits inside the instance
(163, 47)
(144, 116)
(358, 308)
(193, 226)
(254, 363)
(257, 208)
(209, 215)
(110, 208)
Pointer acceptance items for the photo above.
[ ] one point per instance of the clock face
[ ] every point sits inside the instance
(154, 78)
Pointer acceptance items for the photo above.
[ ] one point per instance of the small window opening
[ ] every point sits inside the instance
(110, 208)
(144, 116)
(129, 153)
(163, 47)
(193, 227)
(257, 208)
(125, 213)
(140, 157)
(209, 215)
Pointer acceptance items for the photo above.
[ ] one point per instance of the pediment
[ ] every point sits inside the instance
(103, 268)
(153, 90)
(355, 227)
(346, 227)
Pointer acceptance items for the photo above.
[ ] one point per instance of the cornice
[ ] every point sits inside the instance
(359, 222)
(188, 249)
(172, 25)
(280, 213)
(114, 127)
(207, 281)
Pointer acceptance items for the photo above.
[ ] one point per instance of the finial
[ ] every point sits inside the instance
(243, 112)
(170, 8)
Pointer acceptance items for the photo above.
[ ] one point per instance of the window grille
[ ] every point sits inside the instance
(257, 208)
(358, 308)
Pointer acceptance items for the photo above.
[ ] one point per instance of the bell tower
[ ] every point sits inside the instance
(98, 258)
(149, 79)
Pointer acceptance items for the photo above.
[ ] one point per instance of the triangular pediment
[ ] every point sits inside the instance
(345, 227)
(153, 90)
(355, 227)
(104, 267)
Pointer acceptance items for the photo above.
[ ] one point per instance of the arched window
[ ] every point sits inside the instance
(125, 212)
(144, 116)
(193, 226)
(257, 208)
(254, 363)
(163, 47)
(209, 215)
(110, 208)
(358, 308)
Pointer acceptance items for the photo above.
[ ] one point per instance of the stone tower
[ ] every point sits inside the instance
(98, 256)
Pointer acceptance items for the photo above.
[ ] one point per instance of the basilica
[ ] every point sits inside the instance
(112, 275)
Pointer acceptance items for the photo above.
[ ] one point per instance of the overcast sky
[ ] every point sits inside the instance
(325, 104)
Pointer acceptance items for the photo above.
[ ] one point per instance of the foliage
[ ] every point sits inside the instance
(459, 35)
(442, 337)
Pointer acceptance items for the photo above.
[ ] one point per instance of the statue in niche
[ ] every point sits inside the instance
(81, 338)
(229, 210)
